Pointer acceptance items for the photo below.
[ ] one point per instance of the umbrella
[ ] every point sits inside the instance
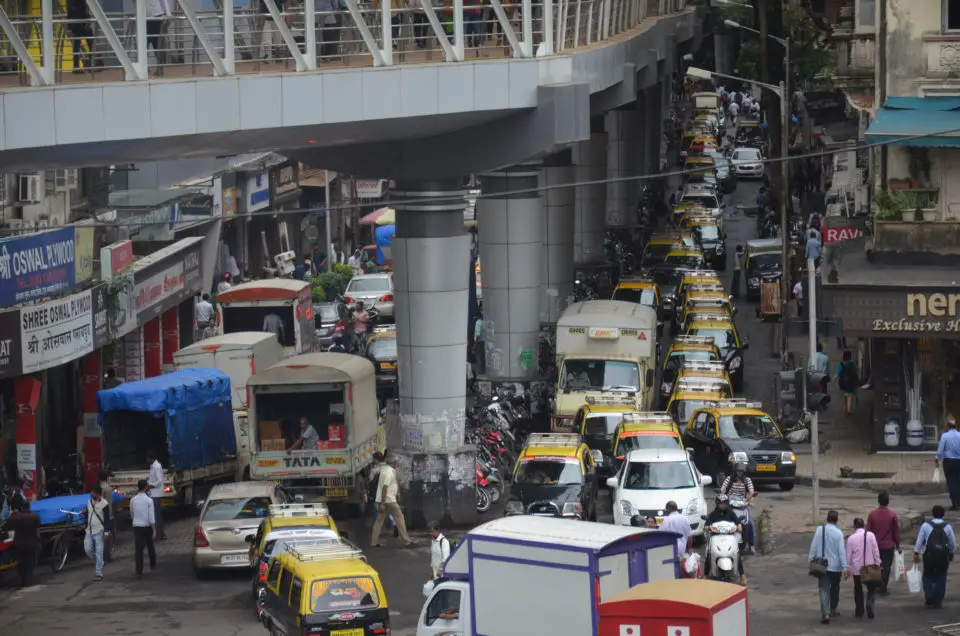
(382, 216)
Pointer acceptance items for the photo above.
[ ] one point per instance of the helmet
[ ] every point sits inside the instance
(721, 498)
(740, 467)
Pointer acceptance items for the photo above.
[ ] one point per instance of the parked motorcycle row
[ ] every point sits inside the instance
(498, 425)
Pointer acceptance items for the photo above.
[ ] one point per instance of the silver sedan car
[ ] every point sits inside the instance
(747, 163)
(375, 290)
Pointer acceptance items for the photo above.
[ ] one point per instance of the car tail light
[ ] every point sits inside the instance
(262, 574)
(200, 539)
(338, 328)
(348, 300)
(388, 298)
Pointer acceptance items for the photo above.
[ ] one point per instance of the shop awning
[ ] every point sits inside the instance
(931, 122)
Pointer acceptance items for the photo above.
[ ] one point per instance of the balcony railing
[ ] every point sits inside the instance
(856, 56)
(47, 49)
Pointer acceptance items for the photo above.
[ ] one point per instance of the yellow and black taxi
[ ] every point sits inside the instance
(701, 298)
(692, 133)
(701, 312)
(724, 333)
(698, 277)
(640, 290)
(597, 420)
(685, 258)
(657, 248)
(286, 524)
(691, 395)
(683, 349)
(703, 145)
(647, 430)
(381, 350)
(730, 432)
(684, 209)
(555, 476)
(699, 162)
(710, 236)
(763, 263)
(327, 589)
(707, 372)
(707, 177)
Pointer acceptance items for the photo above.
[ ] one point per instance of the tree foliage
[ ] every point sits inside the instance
(328, 285)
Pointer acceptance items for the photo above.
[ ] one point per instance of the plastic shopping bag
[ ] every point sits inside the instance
(899, 567)
(936, 475)
(914, 580)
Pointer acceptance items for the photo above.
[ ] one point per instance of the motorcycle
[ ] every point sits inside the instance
(484, 499)
(723, 551)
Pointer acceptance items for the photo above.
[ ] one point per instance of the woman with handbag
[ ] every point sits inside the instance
(863, 558)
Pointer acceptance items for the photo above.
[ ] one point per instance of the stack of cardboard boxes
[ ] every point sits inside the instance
(271, 436)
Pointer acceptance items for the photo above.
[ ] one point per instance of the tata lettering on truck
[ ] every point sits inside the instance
(247, 306)
(336, 393)
(239, 356)
(524, 575)
(185, 418)
(604, 347)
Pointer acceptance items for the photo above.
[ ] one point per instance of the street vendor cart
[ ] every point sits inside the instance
(769, 308)
(682, 607)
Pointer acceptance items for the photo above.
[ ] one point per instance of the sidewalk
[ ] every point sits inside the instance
(846, 457)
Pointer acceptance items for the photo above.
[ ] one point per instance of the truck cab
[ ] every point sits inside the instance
(245, 307)
(603, 347)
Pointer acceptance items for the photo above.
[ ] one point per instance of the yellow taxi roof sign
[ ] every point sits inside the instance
(694, 340)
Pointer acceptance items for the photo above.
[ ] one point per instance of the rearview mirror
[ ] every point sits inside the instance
(200, 503)
(611, 482)
(249, 538)
(706, 480)
(597, 456)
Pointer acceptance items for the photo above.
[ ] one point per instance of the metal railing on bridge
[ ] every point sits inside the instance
(51, 48)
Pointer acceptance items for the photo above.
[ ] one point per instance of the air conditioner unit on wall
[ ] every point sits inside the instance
(29, 188)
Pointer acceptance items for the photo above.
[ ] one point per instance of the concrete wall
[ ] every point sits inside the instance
(907, 22)
(907, 237)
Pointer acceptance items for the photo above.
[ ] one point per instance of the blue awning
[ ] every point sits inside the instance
(930, 122)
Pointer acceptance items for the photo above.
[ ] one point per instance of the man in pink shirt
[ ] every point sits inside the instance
(862, 550)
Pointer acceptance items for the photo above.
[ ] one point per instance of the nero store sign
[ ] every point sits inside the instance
(895, 313)
(166, 284)
(39, 265)
(258, 193)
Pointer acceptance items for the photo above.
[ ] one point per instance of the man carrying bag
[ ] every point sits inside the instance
(828, 563)
(863, 557)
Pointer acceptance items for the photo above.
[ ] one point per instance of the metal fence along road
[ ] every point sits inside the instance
(50, 48)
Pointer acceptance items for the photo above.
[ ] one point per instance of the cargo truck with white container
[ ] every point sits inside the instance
(239, 356)
(524, 575)
(336, 393)
(603, 347)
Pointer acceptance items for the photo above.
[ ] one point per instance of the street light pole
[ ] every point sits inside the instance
(785, 197)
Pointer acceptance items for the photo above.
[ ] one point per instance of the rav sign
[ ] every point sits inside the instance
(841, 234)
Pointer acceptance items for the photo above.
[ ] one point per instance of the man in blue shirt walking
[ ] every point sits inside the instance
(936, 544)
(828, 544)
(949, 453)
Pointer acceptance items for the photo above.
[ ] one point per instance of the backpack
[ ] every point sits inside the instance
(452, 544)
(936, 553)
(848, 380)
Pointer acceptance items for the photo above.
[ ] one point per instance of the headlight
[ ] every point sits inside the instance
(693, 508)
(786, 457)
(626, 509)
(737, 457)
(514, 508)
(666, 387)
(572, 508)
(735, 363)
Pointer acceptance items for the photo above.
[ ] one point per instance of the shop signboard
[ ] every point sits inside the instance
(83, 235)
(167, 283)
(284, 183)
(10, 360)
(895, 312)
(37, 265)
(367, 188)
(56, 331)
(258, 193)
(155, 225)
(229, 202)
(115, 258)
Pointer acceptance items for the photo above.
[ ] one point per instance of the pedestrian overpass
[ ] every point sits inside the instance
(405, 93)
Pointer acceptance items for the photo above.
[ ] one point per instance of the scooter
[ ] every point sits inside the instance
(741, 508)
(723, 551)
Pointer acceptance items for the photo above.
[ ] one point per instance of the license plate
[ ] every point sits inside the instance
(388, 365)
(766, 469)
(348, 632)
(337, 493)
(234, 558)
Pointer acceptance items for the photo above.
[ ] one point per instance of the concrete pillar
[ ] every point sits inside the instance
(431, 269)
(654, 116)
(643, 130)
(511, 231)
(590, 160)
(622, 161)
(556, 276)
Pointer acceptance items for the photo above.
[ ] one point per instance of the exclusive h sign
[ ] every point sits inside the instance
(895, 312)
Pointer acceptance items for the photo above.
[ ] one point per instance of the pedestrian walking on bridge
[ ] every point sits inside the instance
(948, 452)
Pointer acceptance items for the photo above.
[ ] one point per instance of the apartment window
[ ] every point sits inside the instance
(951, 15)
(65, 179)
(867, 13)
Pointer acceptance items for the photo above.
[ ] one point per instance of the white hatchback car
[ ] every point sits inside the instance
(747, 163)
(649, 478)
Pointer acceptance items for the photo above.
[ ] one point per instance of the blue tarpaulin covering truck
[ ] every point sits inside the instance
(185, 418)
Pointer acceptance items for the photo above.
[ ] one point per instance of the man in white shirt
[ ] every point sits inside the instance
(676, 522)
(155, 481)
(144, 527)
(798, 294)
(387, 504)
(98, 525)
(157, 12)
(439, 551)
(205, 314)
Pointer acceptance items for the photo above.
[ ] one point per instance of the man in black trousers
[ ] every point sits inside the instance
(144, 527)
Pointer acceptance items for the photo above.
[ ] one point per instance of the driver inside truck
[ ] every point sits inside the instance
(308, 436)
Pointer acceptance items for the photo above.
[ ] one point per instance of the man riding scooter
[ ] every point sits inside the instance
(337, 346)
(739, 488)
(723, 512)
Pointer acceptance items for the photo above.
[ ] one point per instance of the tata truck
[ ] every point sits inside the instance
(604, 347)
(185, 418)
(335, 394)
(524, 575)
(245, 307)
(239, 356)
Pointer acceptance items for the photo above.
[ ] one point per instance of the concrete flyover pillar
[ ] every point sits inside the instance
(622, 161)
(511, 230)
(654, 117)
(590, 161)
(556, 276)
(431, 269)
(642, 130)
